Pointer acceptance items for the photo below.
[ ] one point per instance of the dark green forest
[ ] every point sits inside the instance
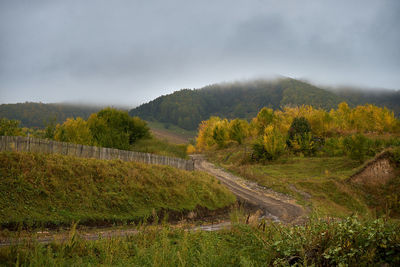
(187, 108)
(37, 115)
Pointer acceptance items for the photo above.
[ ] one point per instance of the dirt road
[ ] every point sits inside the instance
(275, 206)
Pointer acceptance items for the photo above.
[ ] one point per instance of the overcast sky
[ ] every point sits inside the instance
(128, 52)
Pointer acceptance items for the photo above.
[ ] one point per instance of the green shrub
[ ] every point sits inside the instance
(259, 152)
(349, 242)
(299, 127)
(305, 144)
(358, 147)
(333, 147)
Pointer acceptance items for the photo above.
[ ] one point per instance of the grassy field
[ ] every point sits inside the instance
(316, 182)
(171, 132)
(158, 146)
(349, 242)
(49, 190)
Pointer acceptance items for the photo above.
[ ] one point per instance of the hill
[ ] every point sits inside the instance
(36, 115)
(47, 190)
(187, 108)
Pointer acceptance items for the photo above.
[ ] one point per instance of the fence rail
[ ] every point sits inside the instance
(29, 144)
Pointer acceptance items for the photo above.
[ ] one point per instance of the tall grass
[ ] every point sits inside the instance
(349, 242)
(39, 190)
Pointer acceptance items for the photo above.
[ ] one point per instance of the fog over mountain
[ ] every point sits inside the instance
(128, 52)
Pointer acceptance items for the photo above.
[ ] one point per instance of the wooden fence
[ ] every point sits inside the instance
(28, 144)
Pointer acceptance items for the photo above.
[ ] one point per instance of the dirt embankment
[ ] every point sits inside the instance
(276, 206)
(377, 171)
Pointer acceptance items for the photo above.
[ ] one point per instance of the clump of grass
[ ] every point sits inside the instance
(347, 242)
(160, 147)
(41, 190)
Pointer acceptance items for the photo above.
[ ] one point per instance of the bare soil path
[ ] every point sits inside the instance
(276, 206)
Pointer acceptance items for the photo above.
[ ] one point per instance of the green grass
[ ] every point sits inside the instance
(172, 129)
(40, 190)
(349, 242)
(317, 182)
(160, 147)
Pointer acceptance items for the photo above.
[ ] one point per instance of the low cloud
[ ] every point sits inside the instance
(127, 52)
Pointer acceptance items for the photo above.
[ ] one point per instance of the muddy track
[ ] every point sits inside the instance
(99, 234)
(275, 206)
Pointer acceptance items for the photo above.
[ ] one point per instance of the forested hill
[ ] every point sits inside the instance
(187, 108)
(383, 98)
(38, 114)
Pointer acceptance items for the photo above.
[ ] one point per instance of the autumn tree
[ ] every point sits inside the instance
(74, 131)
(238, 130)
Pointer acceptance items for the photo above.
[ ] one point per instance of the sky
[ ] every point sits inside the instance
(127, 52)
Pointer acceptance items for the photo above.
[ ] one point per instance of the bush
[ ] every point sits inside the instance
(9, 127)
(300, 139)
(305, 144)
(349, 242)
(115, 128)
(259, 151)
(333, 147)
(357, 147)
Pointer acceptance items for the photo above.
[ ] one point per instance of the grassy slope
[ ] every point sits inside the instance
(161, 147)
(171, 132)
(39, 189)
(318, 182)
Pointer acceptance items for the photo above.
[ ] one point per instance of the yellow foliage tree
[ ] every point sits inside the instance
(205, 138)
(274, 142)
(74, 131)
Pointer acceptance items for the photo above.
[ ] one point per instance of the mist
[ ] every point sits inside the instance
(126, 52)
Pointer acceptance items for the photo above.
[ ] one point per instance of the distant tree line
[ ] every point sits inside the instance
(38, 115)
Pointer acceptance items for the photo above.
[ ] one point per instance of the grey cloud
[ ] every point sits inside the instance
(128, 52)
